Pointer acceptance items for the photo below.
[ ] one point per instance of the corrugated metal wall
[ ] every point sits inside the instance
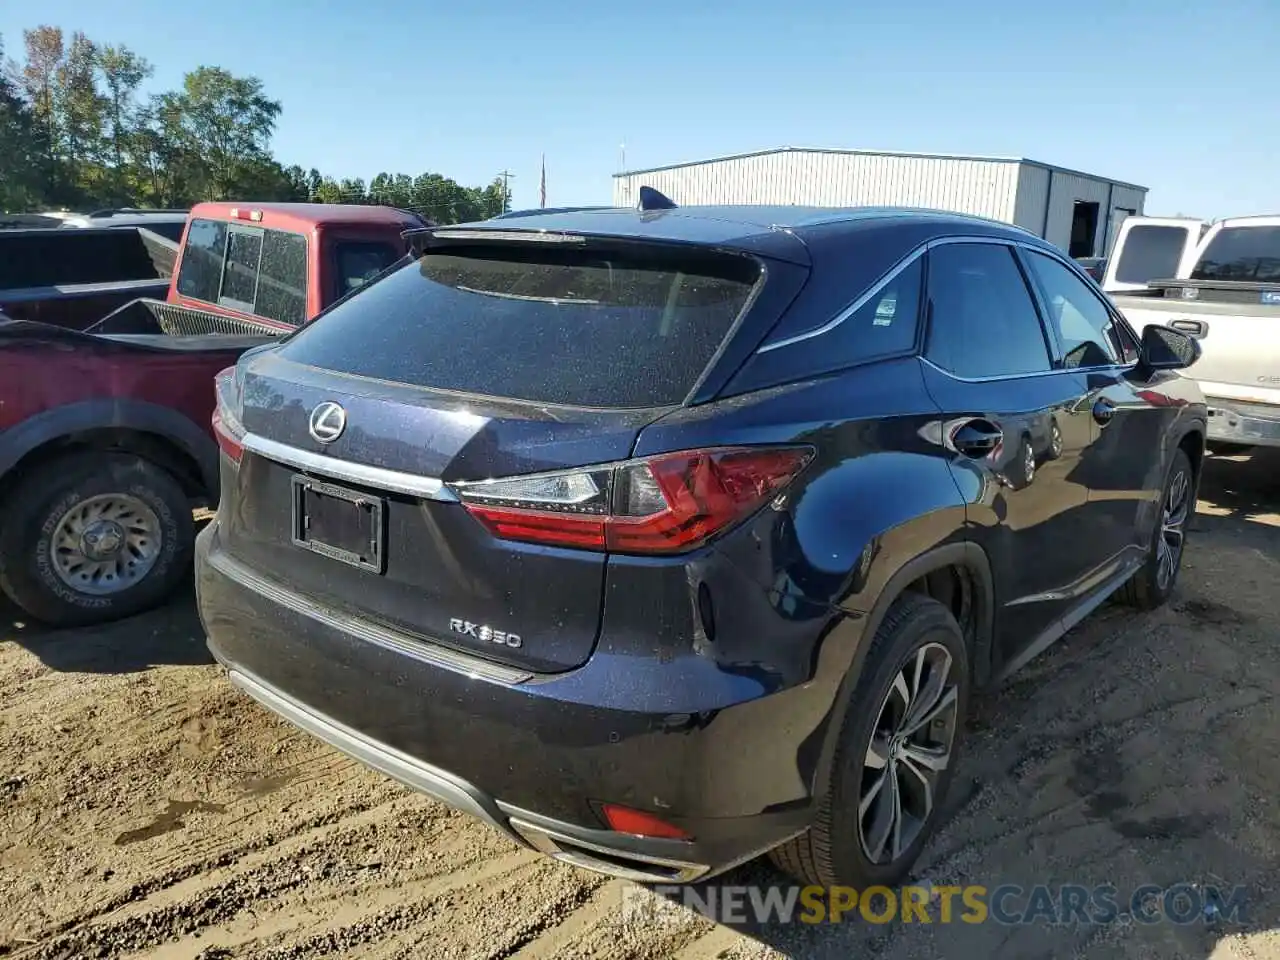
(1047, 198)
(983, 187)
(1035, 197)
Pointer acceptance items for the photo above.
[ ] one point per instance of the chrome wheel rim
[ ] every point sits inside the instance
(1173, 520)
(910, 749)
(1028, 463)
(1055, 441)
(105, 544)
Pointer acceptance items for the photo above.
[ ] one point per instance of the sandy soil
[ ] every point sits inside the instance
(147, 810)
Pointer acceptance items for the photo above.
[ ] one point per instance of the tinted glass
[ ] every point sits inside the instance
(982, 320)
(571, 327)
(201, 270)
(1086, 331)
(240, 279)
(282, 280)
(1150, 253)
(170, 230)
(1241, 253)
(359, 262)
(884, 325)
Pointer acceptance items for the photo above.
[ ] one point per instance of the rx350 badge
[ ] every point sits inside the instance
(485, 633)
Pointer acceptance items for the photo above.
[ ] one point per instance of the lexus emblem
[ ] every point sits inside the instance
(328, 420)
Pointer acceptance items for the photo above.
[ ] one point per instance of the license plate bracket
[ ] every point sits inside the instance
(339, 523)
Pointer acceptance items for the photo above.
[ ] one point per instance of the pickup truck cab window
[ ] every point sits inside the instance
(1087, 332)
(251, 269)
(1250, 254)
(982, 320)
(356, 262)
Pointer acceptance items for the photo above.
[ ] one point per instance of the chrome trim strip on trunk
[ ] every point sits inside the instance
(395, 481)
(402, 643)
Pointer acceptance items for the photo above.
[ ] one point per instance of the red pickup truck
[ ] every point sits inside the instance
(105, 442)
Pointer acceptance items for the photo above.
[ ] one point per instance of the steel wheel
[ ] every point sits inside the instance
(1173, 519)
(105, 544)
(910, 747)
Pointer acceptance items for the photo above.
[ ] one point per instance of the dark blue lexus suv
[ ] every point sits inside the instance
(662, 538)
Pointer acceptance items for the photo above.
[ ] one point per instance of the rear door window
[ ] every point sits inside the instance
(584, 328)
(982, 318)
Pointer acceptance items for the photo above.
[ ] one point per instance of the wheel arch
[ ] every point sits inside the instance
(915, 575)
(160, 434)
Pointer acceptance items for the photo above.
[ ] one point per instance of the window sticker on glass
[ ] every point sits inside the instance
(886, 309)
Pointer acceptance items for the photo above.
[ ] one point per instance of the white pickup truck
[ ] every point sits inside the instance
(1225, 291)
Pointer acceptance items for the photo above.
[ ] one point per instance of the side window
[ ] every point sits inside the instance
(1086, 330)
(982, 319)
(356, 262)
(884, 325)
(282, 281)
(200, 275)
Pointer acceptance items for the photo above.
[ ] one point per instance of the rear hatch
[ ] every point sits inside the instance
(472, 363)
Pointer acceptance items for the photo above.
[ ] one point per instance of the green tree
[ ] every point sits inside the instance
(223, 123)
(44, 58)
(81, 108)
(122, 72)
(18, 180)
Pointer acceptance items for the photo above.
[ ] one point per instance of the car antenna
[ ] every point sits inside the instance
(651, 199)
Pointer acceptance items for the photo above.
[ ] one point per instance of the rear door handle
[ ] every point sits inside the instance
(976, 438)
(1194, 328)
(1103, 411)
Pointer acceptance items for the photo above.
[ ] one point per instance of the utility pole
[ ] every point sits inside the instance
(506, 190)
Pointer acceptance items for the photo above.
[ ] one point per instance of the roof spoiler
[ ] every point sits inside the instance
(651, 199)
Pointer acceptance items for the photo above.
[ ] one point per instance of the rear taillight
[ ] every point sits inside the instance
(663, 504)
(226, 422)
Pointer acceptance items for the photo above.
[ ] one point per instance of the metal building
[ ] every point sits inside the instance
(1076, 211)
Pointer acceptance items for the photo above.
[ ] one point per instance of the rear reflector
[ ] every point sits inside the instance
(664, 504)
(639, 823)
(226, 426)
(228, 441)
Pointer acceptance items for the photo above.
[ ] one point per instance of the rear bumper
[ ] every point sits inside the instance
(1253, 424)
(530, 756)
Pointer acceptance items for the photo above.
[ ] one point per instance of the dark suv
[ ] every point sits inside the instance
(662, 539)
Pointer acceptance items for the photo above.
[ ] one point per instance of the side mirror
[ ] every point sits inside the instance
(1164, 348)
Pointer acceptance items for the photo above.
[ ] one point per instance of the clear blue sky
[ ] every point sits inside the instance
(1177, 97)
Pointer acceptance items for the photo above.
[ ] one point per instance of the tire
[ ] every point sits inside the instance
(1149, 587)
(1026, 462)
(105, 487)
(1055, 441)
(834, 851)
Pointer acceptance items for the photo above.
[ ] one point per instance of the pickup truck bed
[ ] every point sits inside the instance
(104, 438)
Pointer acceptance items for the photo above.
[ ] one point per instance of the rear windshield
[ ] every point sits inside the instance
(596, 329)
(1241, 253)
(1150, 253)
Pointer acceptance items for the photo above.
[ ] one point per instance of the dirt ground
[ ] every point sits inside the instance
(147, 810)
